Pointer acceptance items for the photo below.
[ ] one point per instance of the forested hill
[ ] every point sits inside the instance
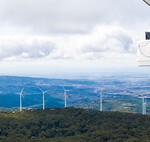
(73, 125)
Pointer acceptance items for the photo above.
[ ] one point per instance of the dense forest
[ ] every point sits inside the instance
(73, 125)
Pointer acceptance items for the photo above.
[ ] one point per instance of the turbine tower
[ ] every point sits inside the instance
(43, 97)
(101, 100)
(21, 95)
(1, 92)
(144, 105)
(65, 95)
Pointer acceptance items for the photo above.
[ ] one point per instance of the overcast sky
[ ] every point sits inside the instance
(51, 37)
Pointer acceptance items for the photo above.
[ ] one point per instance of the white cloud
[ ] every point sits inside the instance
(67, 16)
(104, 40)
(25, 47)
(70, 32)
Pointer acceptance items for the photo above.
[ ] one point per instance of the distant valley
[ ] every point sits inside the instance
(119, 93)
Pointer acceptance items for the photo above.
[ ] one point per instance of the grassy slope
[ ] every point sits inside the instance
(72, 125)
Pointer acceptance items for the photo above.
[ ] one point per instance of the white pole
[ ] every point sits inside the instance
(101, 105)
(143, 105)
(65, 95)
(43, 101)
(20, 102)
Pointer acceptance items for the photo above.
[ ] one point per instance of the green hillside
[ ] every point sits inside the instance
(73, 125)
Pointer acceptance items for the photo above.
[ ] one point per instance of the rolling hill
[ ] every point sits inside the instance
(72, 125)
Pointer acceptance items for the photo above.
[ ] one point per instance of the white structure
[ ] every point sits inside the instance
(147, 1)
(65, 95)
(1, 92)
(144, 105)
(21, 96)
(43, 97)
(101, 101)
(143, 51)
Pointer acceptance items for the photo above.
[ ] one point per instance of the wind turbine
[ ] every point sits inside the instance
(1, 92)
(65, 95)
(101, 100)
(143, 105)
(43, 98)
(21, 95)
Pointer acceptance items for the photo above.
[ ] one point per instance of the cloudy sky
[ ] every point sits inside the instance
(56, 37)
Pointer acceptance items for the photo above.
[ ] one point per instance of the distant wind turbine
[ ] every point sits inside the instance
(43, 98)
(101, 100)
(65, 95)
(21, 95)
(1, 92)
(144, 105)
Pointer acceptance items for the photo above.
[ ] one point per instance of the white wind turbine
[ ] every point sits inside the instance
(43, 97)
(1, 92)
(101, 100)
(144, 104)
(21, 95)
(65, 95)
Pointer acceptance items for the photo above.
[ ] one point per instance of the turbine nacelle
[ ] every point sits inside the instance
(65, 89)
(21, 93)
(42, 90)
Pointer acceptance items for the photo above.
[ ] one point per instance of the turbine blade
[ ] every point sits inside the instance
(63, 88)
(21, 91)
(45, 91)
(40, 89)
